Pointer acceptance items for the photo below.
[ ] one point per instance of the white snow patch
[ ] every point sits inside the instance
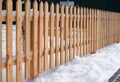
(98, 67)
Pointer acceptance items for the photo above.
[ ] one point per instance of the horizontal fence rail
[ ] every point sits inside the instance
(46, 39)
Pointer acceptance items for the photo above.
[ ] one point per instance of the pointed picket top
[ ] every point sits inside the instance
(62, 9)
(41, 8)
(66, 9)
(52, 8)
(57, 9)
(46, 5)
(74, 10)
(78, 11)
(71, 9)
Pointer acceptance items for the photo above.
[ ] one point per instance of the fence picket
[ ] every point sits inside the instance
(9, 41)
(74, 33)
(57, 36)
(71, 33)
(35, 40)
(40, 37)
(62, 35)
(27, 39)
(46, 37)
(19, 41)
(66, 35)
(52, 35)
(81, 32)
(78, 31)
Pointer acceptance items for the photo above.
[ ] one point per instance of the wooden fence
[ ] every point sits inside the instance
(54, 38)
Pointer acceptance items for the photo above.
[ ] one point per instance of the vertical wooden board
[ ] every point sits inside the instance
(35, 40)
(9, 42)
(62, 35)
(46, 37)
(84, 34)
(74, 33)
(0, 40)
(66, 35)
(71, 34)
(90, 31)
(40, 37)
(19, 41)
(57, 36)
(81, 32)
(27, 39)
(78, 31)
(52, 36)
(87, 32)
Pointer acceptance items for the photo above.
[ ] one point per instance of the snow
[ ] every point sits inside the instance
(98, 67)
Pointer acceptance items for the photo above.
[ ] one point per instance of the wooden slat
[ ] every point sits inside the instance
(19, 41)
(46, 37)
(71, 34)
(84, 31)
(81, 32)
(66, 35)
(57, 36)
(52, 36)
(27, 39)
(74, 33)
(35, 40)
(78, 17)
(9, 42)
(87, 30)
(0, 40)
(40, 37)
(62, 35)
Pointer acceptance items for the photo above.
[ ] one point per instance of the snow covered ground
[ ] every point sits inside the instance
(98, 67)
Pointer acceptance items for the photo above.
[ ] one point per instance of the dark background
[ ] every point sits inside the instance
(110, 5)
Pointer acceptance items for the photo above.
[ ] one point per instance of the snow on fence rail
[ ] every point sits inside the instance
(72, 31)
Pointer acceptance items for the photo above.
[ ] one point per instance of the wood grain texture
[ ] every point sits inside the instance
(27, 39)
(19, 41)
(9, 42)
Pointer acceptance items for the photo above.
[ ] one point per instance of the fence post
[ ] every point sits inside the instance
(9, 41)
(52, 36)
(0, 40)
(57, 36)
(19, 41)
